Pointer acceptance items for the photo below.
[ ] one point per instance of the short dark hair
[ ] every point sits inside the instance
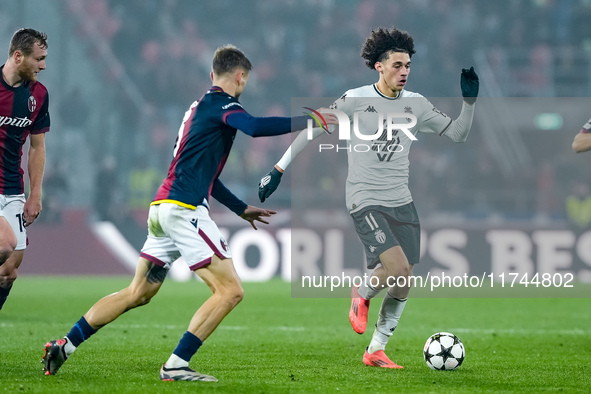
(25, 39)
(382, 42)
(228, 58)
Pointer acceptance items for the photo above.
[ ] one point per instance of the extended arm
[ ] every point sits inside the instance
(270, 182)
(36, 166)
(470, 85)
(227, 198)
(459, 129)
(246, 212)
(265, 126)
(298, 144)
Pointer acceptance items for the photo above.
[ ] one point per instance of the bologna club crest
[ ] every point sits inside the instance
(224, 244)
(32, 103)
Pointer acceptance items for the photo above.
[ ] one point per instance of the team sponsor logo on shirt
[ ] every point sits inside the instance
(439, 112)
(32, 103)
(16, 122)
(232, 104)
(224, 244)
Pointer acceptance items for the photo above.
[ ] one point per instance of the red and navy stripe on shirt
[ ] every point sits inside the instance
(23, 110)
(203, 145)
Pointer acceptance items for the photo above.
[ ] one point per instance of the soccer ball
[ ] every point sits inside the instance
(444, 351)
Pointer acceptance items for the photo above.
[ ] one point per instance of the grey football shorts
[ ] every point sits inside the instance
(381, 228)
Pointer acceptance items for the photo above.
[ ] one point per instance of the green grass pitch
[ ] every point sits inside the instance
(273, 343)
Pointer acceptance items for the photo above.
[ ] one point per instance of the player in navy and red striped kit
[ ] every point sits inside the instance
(24, 111)
(179, 222)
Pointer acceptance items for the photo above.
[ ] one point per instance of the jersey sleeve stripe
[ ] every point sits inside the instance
(228, 113)
(446, 127)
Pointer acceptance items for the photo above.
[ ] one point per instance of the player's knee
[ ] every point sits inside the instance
(407, 271)
(402, 270)
(233, 294)
(3, 257)
(139, 298)
(8, 278)
(7, 246)
(143, 301)
(238, 295)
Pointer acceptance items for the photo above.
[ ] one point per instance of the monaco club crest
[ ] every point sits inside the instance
(380, 236)
(32, 103)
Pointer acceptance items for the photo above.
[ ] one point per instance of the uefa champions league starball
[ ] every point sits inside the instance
(444, 352)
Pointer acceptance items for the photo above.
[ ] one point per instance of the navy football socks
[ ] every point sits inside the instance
(4, 295)
(80, 332)
(188, 346)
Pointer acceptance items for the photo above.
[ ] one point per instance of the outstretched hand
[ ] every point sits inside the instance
(269, 183)
(252, 214)
(31, 210)
(328, 115)
(324, 117)
(470, 84)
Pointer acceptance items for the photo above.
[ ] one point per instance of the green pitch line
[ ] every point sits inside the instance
(274, 343)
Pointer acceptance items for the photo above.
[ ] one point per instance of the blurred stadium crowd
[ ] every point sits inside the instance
(151, 58)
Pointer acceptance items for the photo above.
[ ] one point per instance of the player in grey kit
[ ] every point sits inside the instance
(377, 194)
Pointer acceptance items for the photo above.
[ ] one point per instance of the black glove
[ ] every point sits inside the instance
(469, 84)
(269, 184)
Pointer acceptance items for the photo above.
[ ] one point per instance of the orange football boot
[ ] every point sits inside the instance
(379, 359)
(358, 312)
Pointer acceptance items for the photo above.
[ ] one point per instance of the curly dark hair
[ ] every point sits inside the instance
(383, 41)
